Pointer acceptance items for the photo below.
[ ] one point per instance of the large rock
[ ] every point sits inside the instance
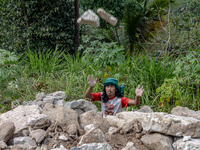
(25, 142)
(35, 118)
(92, 117)
(58, 95)
(164, 123)
(3, 145)
(193, 144)
(93, 146)
(184, 111)
(6, 131)
(81, 106)
(20, 115)
(92, 136)
(61, 114)
(145, 109)
(114, 121)
(38, 135)
(43, 123)
(156, 141)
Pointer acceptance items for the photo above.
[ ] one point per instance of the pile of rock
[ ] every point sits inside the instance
(47, 123)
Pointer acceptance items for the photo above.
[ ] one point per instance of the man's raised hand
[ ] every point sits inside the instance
(92, 82)
(139, 91)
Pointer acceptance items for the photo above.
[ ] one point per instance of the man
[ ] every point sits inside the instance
(112, 100)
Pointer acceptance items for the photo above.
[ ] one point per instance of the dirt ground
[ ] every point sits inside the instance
(116, 141)
(119, 141)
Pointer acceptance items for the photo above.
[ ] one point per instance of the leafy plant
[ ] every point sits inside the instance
(170, 92)
(105, 54)
(9, 71)
(188, 68)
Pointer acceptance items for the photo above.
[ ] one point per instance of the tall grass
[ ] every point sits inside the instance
(44, 62)
(52, 71)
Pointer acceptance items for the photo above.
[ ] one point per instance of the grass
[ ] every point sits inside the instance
(53, 71)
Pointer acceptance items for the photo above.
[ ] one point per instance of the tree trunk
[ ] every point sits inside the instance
(77, 34)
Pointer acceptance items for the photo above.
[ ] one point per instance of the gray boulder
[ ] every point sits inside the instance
(186, 112)
(92, 136)
(61, 114)
(42, 124)
(38, 135)
(157, 141)
(81, 106)
(26, 142)
(3, 145)
(91, 117)
(58, 94)
(20, 115)
(164, 123)
(6, 131)
(193, 144)
(145, 109)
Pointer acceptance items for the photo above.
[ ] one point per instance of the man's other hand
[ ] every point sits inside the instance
(139, 91)
(92, 82)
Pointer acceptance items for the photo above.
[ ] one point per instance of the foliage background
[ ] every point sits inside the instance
(37, 24)
(37, 51)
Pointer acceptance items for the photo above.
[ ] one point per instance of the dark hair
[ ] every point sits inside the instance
(105, 96)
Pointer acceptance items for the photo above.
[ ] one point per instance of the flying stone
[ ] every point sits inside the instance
(89, 17)
(107, 17)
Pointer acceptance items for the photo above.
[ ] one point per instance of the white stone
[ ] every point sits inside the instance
(184, 111)
(3, 145)
(48, 99)
(26, 141)
(60, 102)
(89, 127)
(35, 118)
(112, 130)
(39, 135)
(193, 144)
(89, 17)
(115, 121)
(186, 138)
(61, 114)
(107, 17)
(60, 94)
(92, 136)
(164, 123)
(93, 146)
(64, 138)
(20, 115)
(129, 146)
(157, 141)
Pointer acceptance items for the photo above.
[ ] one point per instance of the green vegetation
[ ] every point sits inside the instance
(37, 52)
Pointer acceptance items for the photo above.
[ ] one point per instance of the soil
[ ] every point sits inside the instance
(119, 141)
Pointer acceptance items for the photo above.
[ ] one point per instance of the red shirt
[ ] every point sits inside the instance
(124, 100)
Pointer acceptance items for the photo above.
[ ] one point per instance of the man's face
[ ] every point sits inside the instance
(110, 90)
